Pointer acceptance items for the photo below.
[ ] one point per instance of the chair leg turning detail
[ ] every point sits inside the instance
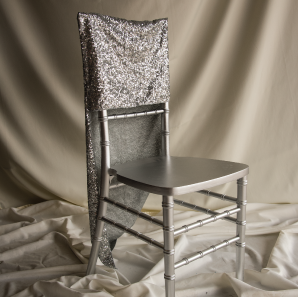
(201, 254)
(169, 233)
(97, 238)
(241, 224)
(169, 251)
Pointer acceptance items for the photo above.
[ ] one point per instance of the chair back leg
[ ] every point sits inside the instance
(97, 238)
(104, 190)
(169, 251)
(241, 223)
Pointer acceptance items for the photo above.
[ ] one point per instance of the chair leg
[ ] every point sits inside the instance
(169, 251)
(241, 223)
(97, 238)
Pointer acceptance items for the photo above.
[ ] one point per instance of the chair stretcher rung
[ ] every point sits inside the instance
(135, 114)
(203, 253)
(206, 221)
(202, 209)
(135, 212)
(116, 186)
(219, 196)
(134, 233)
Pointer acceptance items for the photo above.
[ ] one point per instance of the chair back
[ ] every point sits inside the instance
(126, 71)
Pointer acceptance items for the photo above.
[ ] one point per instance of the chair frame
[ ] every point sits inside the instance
(168, 209)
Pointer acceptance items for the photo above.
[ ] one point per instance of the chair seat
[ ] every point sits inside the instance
(171, 176)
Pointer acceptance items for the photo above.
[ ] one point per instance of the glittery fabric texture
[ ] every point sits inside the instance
(130, 139)
(126, 63)
(93, 176)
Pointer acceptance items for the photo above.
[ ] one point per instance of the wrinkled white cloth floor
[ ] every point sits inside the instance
(44, 250)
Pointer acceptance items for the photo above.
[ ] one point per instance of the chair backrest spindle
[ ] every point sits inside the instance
(165, 130)
(105, 153)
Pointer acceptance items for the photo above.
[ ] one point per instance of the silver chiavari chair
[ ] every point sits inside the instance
(123, 61)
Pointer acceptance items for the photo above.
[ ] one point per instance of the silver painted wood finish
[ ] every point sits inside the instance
(171, 176)
(169, 251)
(104, 189)
(134, 233)
(135, 114)
(168, 213)
(165, 130)
(241, 225)
(219, 196)
(116, 186)
(202, 209)
(201, 223)
(201, 254)
(135, 212)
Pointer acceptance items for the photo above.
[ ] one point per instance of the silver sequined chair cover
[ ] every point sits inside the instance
(126, 69)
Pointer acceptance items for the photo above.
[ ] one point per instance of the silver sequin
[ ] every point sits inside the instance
(105, 253)
(126, 63)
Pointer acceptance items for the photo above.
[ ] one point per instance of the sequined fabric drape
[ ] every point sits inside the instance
(126, 69)
(126, 63)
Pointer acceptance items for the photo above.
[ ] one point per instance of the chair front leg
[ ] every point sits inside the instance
(97, 238)
(241, 224)
(169, 251)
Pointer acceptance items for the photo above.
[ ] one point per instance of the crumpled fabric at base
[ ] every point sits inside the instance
(45, 247)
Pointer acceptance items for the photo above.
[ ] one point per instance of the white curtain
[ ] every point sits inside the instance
(233, 68)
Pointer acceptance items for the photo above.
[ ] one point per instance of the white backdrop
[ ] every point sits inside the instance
(233, 68)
